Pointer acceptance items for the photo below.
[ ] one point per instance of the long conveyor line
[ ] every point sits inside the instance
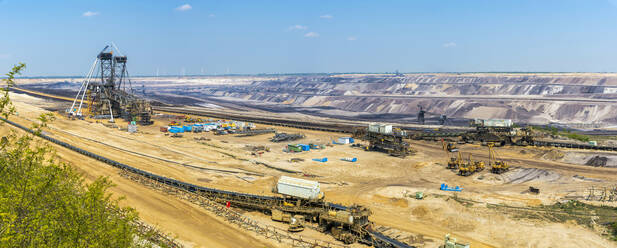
(341, 128)
(251, 201)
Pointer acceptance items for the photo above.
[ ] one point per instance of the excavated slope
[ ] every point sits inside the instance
(531, 98)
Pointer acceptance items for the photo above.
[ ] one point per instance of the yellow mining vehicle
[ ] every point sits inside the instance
(449, 148)
(471, 167)
(455, 162)
(478, 164)
(468, 168)
(497, 165)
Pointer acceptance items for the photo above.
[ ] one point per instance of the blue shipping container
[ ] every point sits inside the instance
(305, 147)
(176, 130)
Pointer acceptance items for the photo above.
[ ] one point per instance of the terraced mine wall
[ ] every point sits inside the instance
(541, 98)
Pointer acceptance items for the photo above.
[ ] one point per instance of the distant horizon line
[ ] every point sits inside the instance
(327, 73)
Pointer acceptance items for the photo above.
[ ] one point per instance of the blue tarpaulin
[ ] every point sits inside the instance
(446, 188)
(321, 159)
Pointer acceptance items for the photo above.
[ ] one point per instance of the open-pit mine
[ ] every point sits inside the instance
(415, 160)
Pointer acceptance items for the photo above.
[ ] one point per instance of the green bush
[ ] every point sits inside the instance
(45, 203)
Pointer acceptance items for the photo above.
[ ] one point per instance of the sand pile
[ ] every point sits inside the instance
(553, 155)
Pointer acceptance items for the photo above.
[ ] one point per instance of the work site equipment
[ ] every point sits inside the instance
(497, 166)
(107, 91)
(295, 222)
(360, 229)
(455, 162)
(442, 118)
(452, 243)
(279, 137)
(419, 195)
(470, 167)
(449, 146)
(300, 188)
(384, 138)
(294, 148)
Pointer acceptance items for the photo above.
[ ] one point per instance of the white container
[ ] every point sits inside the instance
(373, 128)
(493, 122)
(132, 128)
(297, 187)
(385, 129)
(498, 123)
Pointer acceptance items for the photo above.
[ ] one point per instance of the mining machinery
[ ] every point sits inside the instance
(422, 116)
(384, 138)
(499, 132)
(471, 167)
(497, 166)
(107, 92)
(455, 162)
(449, 146)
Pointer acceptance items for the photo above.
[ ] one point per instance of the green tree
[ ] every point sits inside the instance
(45, 203)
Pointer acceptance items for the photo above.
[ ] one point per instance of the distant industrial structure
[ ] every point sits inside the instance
(107, 91)
(422, 119)
(384, 138)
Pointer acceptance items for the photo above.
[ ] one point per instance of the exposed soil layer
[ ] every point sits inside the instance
(580, 100)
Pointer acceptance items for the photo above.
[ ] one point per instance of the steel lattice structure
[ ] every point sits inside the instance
(107, 91)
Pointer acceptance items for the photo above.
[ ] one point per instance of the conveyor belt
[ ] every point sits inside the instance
(381, 240)
(573, 145)
(342, 128)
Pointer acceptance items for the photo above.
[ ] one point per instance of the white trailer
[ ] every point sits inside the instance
(299, 188)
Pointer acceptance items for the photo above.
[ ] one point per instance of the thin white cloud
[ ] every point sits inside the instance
(184, 7)
(311, 35)
(211, 15)
(89, 14)
(352, 38)
(326, 16)
(449, 44)
(298, 27)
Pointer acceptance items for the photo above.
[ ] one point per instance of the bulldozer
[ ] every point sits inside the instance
(449, 146)
(455, 162)
(471, 167)
(497, 166)
(467, 168)
(478, 164)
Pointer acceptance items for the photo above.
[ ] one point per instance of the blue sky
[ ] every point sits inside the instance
(215, 37)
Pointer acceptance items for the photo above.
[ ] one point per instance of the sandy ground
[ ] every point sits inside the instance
(376, 180)
(189, 224)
